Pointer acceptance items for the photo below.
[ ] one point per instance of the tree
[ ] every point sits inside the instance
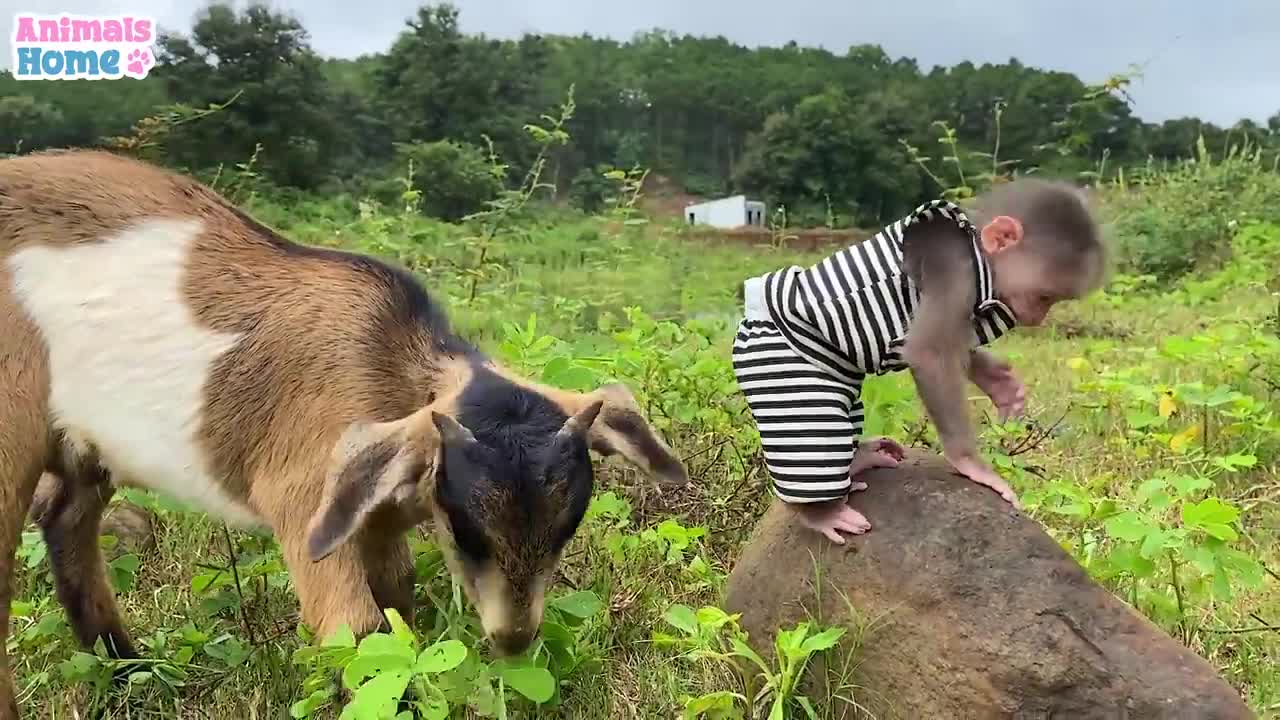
(435, 83)
(833, 149)
(27, 123)
(285, 102)
(77, 113)
(454, 179)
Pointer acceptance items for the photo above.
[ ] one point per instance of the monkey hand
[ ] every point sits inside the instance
(981, 473)
(831, 517)
(996, 378)
(878, 453)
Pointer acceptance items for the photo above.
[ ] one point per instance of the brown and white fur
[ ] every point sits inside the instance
(153, 335)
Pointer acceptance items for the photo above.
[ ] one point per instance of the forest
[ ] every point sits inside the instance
(534, 187)
(832, 137)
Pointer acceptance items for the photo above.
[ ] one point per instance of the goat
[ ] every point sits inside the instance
(156, 336)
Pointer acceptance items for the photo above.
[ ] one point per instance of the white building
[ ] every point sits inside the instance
(730, 212)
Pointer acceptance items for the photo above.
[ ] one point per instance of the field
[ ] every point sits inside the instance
(1151, 455)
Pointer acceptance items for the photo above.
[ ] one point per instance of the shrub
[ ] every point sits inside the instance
(1184, 216)
(590, 189)
(454, 178)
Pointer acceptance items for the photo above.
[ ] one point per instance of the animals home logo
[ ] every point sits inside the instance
(81, 47)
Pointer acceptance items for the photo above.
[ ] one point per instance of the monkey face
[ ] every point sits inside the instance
(1031, 283)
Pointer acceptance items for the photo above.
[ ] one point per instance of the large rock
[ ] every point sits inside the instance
(976, 613)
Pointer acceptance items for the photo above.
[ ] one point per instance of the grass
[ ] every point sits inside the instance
(1103, 367)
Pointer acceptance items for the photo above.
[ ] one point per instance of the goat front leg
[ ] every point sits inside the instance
(388, 562)
(332, 592)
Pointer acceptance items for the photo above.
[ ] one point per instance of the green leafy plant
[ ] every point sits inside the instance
(710, 633)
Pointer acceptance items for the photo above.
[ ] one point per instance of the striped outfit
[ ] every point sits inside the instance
(810, 335)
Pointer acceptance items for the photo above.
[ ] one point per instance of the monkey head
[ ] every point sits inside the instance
(1044, 246)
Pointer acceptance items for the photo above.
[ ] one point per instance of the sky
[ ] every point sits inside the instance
(1217, 61)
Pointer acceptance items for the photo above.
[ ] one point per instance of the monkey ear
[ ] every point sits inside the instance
(1002, 233)
(372, 465)
(619, 428)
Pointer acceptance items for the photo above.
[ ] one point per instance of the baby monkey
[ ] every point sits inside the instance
(924, 294)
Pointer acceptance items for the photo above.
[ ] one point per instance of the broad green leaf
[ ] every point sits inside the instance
(788, 642)
(1153, 543)
(400, 629)
(379, 697)
(1220, 531)
(432, 709)
(1208, 511)
(1141, 420)
(1186, 484)
(718, 704)
(1235, 462)
(202, 582)
(608, 504)
(342, 637)
(80, 666)
(441, 657)
(1128, 526)
(1221, 395)
(557, 636)
(384, 644)
(1076, 509)
(1203, 558)
(1221, 582)
(713, 617)
(1160, 501)
(824, 640)
(535, 683)
(307, 706)
(742, 649)
(1246, 569)
(581, 604)
(683, 618)
(553, 368)
(364, 666)
(1150, 487)
(228, 649)
(1128, 559)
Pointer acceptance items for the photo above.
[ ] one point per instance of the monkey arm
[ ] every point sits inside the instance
(980, 360)
(937, 348)
(997, 380)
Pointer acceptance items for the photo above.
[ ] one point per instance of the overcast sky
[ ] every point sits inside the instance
(1216, 60)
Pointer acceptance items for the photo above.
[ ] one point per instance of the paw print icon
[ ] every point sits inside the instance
(139, 62)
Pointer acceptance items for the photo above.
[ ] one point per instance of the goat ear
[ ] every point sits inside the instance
(579, 424)
(620, 429)
(372, 464)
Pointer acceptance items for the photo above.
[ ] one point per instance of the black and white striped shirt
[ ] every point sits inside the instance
(849, 314)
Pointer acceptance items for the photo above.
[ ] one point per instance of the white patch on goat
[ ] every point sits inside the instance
(128, 360)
